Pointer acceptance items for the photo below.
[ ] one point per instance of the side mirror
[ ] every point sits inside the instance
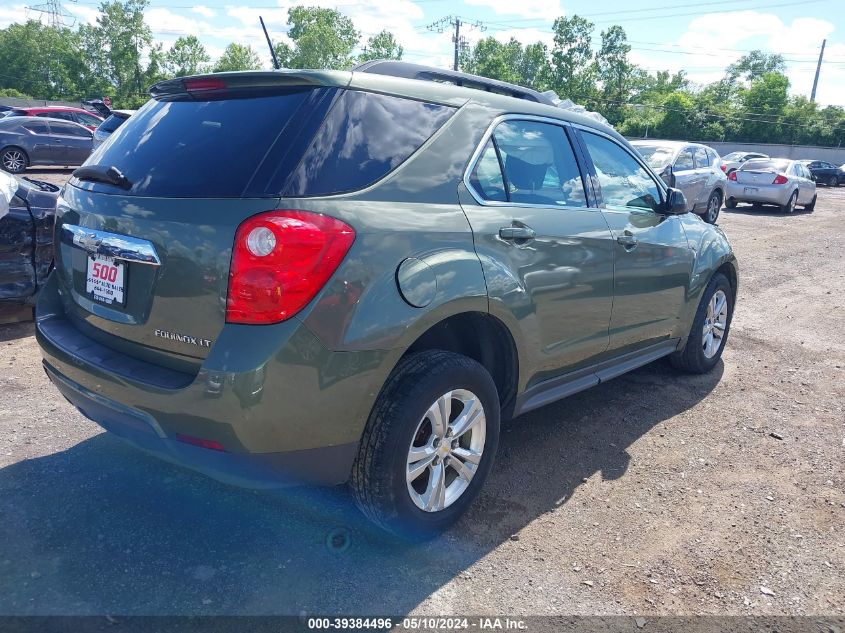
(668, 175)
(676, 202)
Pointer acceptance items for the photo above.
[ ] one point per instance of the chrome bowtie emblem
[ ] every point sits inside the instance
(90, 242)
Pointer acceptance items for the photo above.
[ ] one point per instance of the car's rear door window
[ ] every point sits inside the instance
(539, 164)
(624, 182)
(486, 178)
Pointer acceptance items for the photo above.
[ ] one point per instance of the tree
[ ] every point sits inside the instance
(323, 38)
(571, 74)
(614, 71)
(381, 46)
(237, 57)
(754, 65)
(764, 104)
(509, 62)
(187, 56)
(115, 48)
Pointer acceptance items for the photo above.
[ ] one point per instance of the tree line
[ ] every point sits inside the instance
(118, 56)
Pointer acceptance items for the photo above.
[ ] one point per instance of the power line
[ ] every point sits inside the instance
(57, 16)
(459, 40)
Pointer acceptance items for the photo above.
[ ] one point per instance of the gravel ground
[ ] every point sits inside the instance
(652, 494)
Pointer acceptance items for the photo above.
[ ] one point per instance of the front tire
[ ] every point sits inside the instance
(14, 160)
(789, 207)
(714, 205)
(833, 181)
(709, 331)
(429, 444)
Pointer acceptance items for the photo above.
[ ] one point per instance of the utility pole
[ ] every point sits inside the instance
(459, 40)
(57, 16)
(818, 69)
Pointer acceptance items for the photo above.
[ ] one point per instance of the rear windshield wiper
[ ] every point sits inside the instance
(100, 173)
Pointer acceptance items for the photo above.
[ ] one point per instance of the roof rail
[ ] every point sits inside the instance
(430, 73)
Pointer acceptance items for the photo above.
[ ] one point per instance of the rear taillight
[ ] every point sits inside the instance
(724, 168)
(780, 179)
(732, 176)
(280, 261)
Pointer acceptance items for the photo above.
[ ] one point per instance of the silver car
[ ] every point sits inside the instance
(779, 181)
(693, 168)
(735, 160)
(107, 127)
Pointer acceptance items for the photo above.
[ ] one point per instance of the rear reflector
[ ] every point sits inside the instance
(210, 83)
(280, 261)
(198, 441)
(780, 179)
(732, 176)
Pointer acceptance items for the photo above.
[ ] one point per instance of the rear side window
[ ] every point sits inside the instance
(364, 137)
(486, 177)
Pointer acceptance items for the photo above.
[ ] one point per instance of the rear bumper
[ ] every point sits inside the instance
(765, 194)
(328, 465)
(285, 409)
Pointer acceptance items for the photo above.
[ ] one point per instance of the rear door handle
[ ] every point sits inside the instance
(516, 233)
(628, 241)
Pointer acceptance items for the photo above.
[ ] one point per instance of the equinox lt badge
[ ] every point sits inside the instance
(183, 338)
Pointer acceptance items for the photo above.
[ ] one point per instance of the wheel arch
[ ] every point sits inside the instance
(482, 337)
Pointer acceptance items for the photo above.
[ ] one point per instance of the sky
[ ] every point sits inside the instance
(700, 38)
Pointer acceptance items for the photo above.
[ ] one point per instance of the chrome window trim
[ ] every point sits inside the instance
(479, 150)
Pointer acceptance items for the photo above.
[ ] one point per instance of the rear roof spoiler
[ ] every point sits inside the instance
(257, 80)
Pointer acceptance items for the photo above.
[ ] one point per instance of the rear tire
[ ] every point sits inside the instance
(789, 207)
(697, 357)
(14, 160)
(401, 438)
(730, 203)
(811, 207)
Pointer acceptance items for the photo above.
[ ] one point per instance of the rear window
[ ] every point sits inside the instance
(112, 123)
(302, 142)
(757, 164)
(656, 156)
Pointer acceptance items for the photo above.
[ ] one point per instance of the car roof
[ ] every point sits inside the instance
(429, 90)
(38, 119)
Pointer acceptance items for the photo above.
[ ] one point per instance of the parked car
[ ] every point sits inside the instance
(107, 127)
(26, 141)
(779, 181)
(390, 267)
(27, 212)
(693, 168)
(74, 115)
(824, 172)
(735, 160)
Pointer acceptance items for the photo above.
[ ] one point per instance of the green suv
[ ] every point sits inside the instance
(328, 277)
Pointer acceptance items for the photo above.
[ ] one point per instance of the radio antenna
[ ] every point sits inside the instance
(272, 50)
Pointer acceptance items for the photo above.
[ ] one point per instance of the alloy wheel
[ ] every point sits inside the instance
(715, 324)
(446, 450)
(713, 206)
(13, 161)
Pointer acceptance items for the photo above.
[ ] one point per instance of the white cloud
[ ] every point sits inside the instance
(549, 9)
(712, 42)
(11, 14)
(204, 11)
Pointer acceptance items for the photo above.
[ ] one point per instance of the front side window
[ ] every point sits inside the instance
(64, 129)
(37, 128)
(701, 159)
(657, 156)
(624, 182)
(539, 164)
(684, 162)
